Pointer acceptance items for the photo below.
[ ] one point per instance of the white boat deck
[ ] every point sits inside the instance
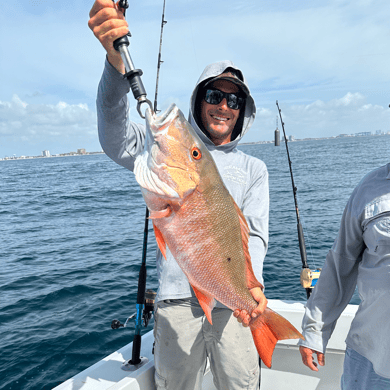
(287, 372)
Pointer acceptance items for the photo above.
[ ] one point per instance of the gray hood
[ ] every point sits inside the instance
(211, 71)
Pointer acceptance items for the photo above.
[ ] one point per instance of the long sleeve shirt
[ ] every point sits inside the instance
(360, 257)
(245, 177)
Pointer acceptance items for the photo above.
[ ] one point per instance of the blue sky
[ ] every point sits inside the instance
(326, 62)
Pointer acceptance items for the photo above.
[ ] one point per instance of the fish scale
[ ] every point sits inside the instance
(197, 219)
(214, 250)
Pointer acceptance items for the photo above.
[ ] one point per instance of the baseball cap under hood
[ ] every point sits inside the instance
(228, 71)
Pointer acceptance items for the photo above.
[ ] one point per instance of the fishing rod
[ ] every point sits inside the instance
(308, 278)
(159, 62)
(145, 299)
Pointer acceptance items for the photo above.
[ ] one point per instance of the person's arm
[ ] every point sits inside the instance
(121, 139)
(335, 287)
(256, 211)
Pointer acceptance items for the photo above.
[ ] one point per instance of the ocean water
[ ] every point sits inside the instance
(71, 233)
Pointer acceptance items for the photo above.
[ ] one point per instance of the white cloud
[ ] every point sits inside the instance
(348, 114)
(23, 119)
(350, 99)
(58, 125)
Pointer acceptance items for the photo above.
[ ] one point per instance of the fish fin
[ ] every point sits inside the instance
(161, 213)
(160, 241)
(206, 302)
(267, 329)
(251, 280)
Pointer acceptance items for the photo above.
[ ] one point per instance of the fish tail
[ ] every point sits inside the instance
(267, 329)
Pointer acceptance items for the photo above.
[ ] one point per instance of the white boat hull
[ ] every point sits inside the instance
(287, 369)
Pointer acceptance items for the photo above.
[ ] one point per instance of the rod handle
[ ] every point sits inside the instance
(141, 285)
(302, 246)
(121, 41)
(136, 84)
(135, 357)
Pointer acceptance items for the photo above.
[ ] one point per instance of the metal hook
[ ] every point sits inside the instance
(142, 100)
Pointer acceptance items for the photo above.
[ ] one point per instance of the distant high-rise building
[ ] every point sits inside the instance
(81, 151)
(46, 153)
(277, 134)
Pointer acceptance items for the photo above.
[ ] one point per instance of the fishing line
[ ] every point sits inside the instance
(311, 258)
(308, 243)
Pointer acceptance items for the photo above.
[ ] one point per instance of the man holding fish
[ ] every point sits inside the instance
(209, 205)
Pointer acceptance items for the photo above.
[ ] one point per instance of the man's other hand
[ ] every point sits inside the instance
(308, 358)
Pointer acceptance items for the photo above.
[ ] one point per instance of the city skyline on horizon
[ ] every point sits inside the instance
(291, 138)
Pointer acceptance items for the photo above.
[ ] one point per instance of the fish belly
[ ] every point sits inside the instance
(204, 237)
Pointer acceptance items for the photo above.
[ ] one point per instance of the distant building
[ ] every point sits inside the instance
(378, 132)
(46, 153)
(363, 134)
(81, 151)
(291, 138)
(344, 135)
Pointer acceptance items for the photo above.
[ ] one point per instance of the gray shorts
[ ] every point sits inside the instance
(184, 339)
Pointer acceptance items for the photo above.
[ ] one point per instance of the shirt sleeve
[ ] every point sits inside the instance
(337, 282)
(256, 211)
(121, 139)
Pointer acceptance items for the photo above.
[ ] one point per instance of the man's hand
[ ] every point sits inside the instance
(108, 24)
(243, 316)
(308, 358)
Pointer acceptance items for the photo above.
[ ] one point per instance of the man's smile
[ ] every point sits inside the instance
(219, 118)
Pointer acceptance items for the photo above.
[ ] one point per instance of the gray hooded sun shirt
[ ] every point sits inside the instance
(245, 177)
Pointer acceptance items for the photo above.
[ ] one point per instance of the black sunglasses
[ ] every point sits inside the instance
(215, 96)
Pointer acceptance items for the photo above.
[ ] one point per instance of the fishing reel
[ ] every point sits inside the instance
(309, 278)
(147, 312)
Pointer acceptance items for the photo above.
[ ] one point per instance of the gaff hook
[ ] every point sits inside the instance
(132, 75)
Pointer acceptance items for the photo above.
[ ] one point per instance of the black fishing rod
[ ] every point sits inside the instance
(145, 299)
(159, 61)
(308, 277)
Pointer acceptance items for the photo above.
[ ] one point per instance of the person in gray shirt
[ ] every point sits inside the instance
(360, 256)
(221, 111)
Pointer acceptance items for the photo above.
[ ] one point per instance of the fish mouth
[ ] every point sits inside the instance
(158, 123)
(145, 163)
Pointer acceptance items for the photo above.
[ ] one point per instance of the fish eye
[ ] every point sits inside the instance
(196, 154)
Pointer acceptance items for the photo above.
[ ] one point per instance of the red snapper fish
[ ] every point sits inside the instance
(194, 216)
